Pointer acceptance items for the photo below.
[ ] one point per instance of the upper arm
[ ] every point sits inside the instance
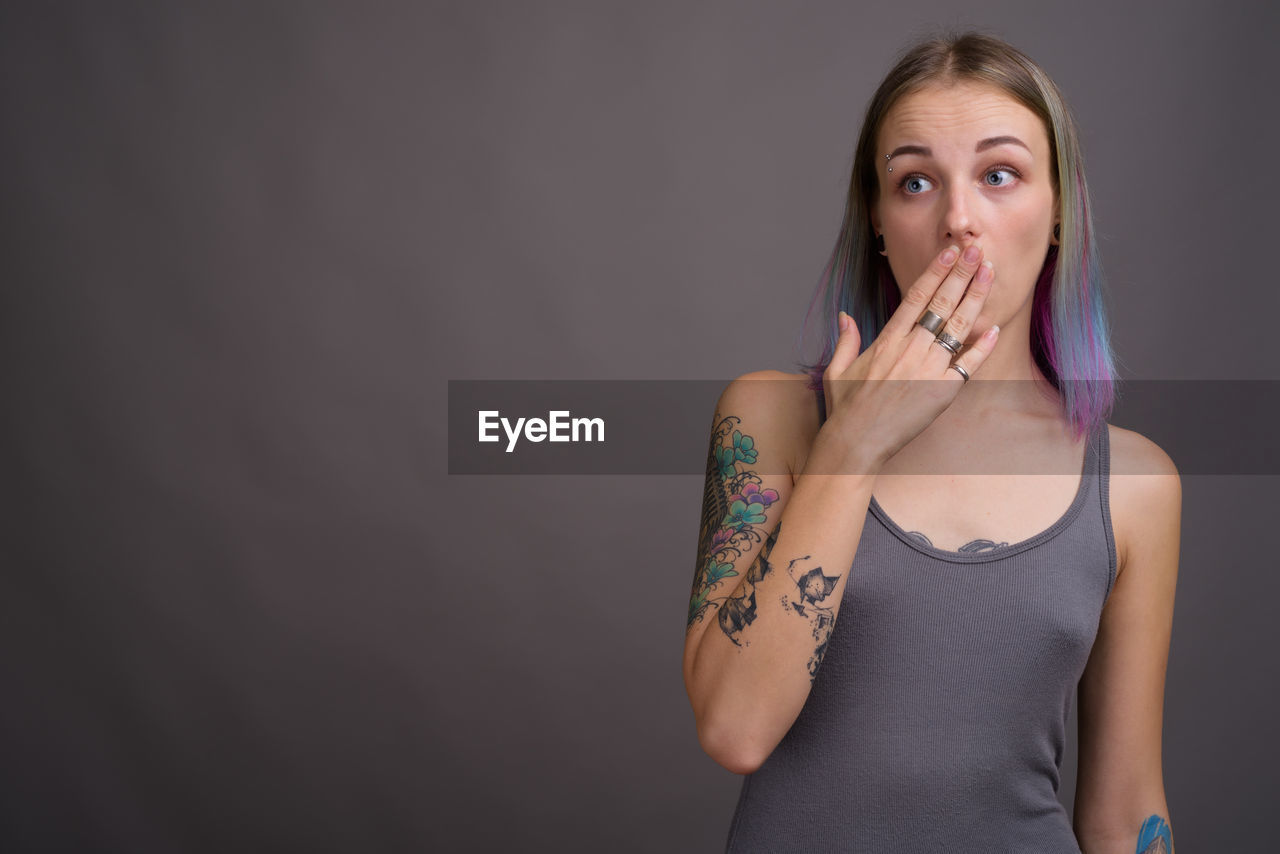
(1120, 780)
(748, 482)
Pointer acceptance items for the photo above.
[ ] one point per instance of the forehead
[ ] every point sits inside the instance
(957, 116)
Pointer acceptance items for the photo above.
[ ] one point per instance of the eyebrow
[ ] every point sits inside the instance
(989, 142)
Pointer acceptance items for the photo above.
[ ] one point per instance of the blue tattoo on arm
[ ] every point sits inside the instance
(1155, 837)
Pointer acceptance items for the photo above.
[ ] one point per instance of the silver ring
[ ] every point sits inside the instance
(951, 342)
(930, 321)
(960, 370)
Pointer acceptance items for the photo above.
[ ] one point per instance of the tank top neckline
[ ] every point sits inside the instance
(1002, 552)
(1092, 454)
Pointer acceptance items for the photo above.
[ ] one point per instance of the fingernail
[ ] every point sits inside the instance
(949, 257)
(986, 272)
(971, 255)
(843, 321)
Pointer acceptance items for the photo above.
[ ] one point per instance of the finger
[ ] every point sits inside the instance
(966, 314)
(846, 351)
(846, 346)
(919, 294)
(946, 298)
(974, 356)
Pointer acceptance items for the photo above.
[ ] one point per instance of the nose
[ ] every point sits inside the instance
(958, 223)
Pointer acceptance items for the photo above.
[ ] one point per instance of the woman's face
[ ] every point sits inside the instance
(970, 166)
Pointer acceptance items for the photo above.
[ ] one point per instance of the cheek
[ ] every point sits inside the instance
(1015, 285)
(1034, 219)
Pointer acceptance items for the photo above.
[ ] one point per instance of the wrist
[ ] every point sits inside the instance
(843, 448)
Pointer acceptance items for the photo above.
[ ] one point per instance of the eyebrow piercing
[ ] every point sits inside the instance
(886, 157)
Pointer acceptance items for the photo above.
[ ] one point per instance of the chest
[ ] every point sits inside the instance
(934, 486)
(953, 512)
(973, 492)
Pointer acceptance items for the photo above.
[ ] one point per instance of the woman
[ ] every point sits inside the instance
(890, 658)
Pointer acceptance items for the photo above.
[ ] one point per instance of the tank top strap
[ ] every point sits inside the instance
(1101, 446)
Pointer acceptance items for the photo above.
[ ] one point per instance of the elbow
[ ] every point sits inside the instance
(730, 748)
(726, 733)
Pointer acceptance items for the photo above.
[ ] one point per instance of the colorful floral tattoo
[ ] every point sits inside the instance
(733, 517)
(1155, 836)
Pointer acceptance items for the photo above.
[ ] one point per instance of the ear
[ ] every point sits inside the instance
(1057, 219)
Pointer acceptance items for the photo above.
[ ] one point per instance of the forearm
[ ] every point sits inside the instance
(1152, 835)
(761, 649)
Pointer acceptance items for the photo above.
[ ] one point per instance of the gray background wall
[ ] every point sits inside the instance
(244, 607)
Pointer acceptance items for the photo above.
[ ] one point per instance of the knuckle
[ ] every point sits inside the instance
(942, 305)
(916, 296)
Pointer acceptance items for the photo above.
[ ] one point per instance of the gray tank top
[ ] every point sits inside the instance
(937, 720)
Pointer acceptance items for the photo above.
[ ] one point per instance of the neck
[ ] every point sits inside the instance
(1009, 380)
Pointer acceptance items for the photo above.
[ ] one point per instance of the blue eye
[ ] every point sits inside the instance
(915, 184)
(911, 181)
(997, 172)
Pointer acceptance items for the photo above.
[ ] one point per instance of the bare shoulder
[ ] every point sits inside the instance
(780, 409)
(1145, 492)
(1134, 454)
